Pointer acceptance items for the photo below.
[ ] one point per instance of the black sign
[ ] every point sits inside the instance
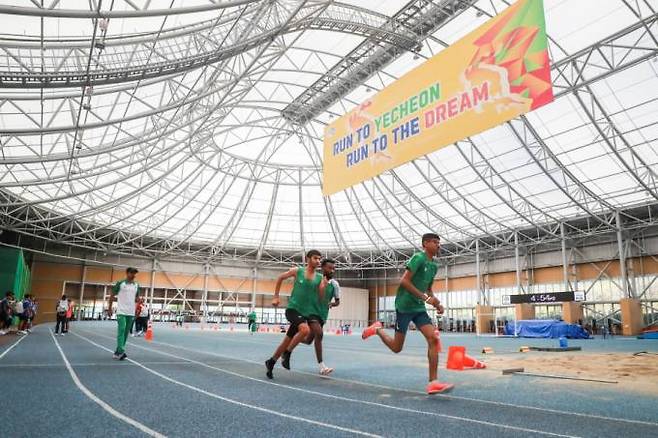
(549, 297)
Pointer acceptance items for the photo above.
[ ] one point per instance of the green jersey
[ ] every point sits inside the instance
(422, 271)
(321, 307)
(304, 292)
(251, 316)
(126, 292)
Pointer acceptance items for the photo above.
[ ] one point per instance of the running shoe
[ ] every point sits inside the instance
(116, 356)
(436, 387)
(371, 330)
(285, 360)
(2, 332)
(123, 356)
(325, 371)
(269, 364)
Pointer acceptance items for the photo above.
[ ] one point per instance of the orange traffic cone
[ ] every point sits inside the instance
(455, 358)
(149, 333)
(458, 359)
(338, 331)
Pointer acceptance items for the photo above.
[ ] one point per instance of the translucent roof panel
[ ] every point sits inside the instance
(177, 132)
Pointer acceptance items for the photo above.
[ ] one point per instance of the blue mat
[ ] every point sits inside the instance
(651, 335)
(545, 328)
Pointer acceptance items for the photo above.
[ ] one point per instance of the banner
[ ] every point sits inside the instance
(494, 74)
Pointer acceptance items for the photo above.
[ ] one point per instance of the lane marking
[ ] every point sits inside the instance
(100, 402)
(348, 399)
(410, 391)
(86, 364)
(236, 402)
(12, 346)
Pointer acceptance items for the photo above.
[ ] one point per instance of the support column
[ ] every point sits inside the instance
(517, 263)
(253, 288)
(152, 291)
(82, 288)
(565, 263)
(204, 294)
(572, 312)
(524, 311)
(478, 275)
(631, 316)
(622, 257)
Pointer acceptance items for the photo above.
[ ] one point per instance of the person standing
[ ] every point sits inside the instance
(61, 309)
(414, 292)
(69, 316)
(126, 292)
(6, 312)
(251, 319)
(142, 317)
(305, 291)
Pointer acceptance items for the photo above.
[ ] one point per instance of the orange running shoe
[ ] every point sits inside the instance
(371, 330)
(436, 387)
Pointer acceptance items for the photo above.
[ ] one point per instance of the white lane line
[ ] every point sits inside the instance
(100, 402)
(392, 388)
(12, 346)
(235, 402)
(351, 400)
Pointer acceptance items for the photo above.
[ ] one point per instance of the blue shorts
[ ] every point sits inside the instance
(402, 320)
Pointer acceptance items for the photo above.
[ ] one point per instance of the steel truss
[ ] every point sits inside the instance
(183, 125)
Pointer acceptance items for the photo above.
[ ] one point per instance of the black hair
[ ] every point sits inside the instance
(325, 261)
(313, 252)
(430, 236)
(8, 293)
(64, 296)
(129, 270)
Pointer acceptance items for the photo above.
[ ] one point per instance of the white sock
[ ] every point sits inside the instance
(322, 365)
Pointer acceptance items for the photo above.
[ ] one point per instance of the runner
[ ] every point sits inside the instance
(414, 291)
(127, 291)
(320, 312)
(308, 286)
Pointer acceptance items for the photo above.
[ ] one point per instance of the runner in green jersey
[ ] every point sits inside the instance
(414, 292)
(308, 286)
(320, 312)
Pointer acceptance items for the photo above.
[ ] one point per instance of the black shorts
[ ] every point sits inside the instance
(316, 318)
(294, 318)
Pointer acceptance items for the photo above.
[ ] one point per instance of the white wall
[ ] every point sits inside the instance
(353, 307)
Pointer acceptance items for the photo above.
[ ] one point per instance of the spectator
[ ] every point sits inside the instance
(142, 317)
(6, 312)
(18, 312)
(61, 309)
(69, 316)
(26, 316)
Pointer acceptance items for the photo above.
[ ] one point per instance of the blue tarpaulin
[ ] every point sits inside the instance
(545, 328)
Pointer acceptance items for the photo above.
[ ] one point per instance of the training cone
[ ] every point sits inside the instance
(149, 332)
(459, 360)
(456, 358)
(469, 362)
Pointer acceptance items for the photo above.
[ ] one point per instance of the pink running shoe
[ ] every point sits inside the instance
(371, 330)
(436, 387)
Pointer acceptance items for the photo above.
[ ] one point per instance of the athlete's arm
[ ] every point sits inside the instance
(336, 301)
(434, 301)
(406, 283)
(109, 305)
(277, 288)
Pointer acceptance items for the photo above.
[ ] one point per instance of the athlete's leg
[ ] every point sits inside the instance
(121, 331)
(302, 331)
(432, 351)
(316, 335)
(394, 343)
(283, 346)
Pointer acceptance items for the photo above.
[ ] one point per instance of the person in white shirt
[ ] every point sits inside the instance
(126, 292)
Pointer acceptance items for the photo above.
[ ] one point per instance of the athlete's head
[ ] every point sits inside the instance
(328, 267)
(130, 273)
(313, 258)
(431, 243)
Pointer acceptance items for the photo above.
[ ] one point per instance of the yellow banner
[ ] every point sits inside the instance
(494, 74)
